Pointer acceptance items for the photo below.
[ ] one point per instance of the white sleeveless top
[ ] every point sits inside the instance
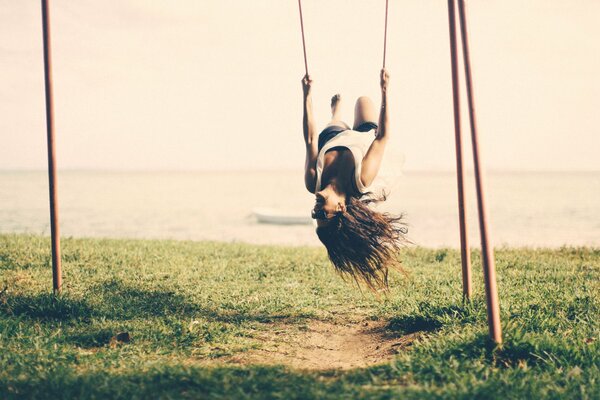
(358, 143)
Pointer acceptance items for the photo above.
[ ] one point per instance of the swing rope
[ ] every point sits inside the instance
(304, 41)
(385, 32)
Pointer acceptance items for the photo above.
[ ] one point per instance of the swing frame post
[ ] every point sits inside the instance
(487, 251)
(465, 253)
(54, 226)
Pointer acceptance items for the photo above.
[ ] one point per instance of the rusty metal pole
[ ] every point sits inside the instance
(54, 227)
(465, 253)
(487, 251)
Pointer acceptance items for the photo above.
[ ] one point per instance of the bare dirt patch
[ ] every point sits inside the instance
(325, 345)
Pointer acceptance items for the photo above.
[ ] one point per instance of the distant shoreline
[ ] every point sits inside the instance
(526, 209)
(289, 170)
(475, 249)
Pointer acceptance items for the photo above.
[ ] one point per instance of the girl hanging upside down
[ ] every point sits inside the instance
(341, 166)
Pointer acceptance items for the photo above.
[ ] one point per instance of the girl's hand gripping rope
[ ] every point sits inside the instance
(306, 84)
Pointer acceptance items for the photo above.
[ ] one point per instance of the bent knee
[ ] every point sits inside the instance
(364, 111)
(363, 101)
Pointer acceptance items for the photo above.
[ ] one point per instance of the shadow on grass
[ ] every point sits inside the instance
(414, 380)
(114, 300)
(543, 352)
(430, 318)
(93, 339)
(413, 323)
(46, 307)
(175, 381)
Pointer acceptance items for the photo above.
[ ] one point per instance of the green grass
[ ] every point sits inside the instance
(187, 306)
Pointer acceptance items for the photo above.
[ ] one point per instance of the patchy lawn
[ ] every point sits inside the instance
(168, 319)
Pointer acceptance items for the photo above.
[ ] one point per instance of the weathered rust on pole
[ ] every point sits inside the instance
(54, 226)
(465, 253)
(487, 251)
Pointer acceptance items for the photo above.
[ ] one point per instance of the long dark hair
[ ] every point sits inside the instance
(363, 243)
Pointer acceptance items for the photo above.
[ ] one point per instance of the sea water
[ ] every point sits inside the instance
(525, 209)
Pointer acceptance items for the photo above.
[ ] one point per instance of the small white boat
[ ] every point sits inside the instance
(278, 217)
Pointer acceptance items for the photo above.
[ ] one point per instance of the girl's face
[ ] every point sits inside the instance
(327, 205)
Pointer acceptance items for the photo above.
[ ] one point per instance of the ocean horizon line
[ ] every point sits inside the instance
(289, 170)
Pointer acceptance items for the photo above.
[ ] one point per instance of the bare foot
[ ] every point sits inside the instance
(335, 102)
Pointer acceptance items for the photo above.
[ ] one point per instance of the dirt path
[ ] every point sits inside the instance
(324, 345)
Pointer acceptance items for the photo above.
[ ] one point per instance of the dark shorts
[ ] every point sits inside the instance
(332, 131)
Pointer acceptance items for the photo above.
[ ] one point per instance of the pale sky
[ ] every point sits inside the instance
(214, 84)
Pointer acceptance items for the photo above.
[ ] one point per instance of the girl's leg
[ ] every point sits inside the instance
(335, 113)
(364, 111)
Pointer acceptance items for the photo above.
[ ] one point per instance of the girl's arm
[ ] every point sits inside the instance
(310, 137)
(372, 160)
